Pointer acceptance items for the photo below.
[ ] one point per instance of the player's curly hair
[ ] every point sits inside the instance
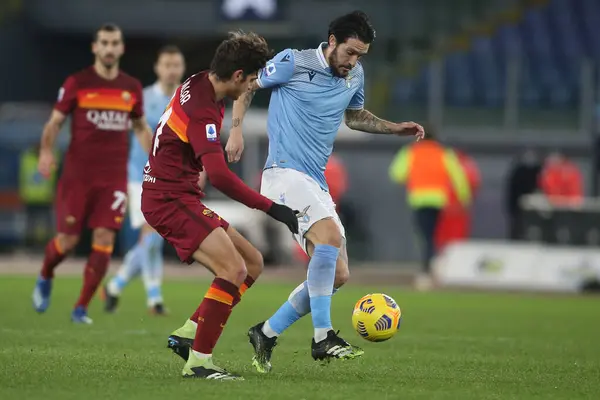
(248, 52)
(353, 25)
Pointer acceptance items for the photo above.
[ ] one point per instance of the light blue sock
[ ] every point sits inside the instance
(296, 307)
(128, 270)
(156, 257)
(152, 270)
(321, 275)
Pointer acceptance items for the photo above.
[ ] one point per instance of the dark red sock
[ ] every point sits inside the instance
(213, 314)
(245, 286)
(94, 272)
(53, 256)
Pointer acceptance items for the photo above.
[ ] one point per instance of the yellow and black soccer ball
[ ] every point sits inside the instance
(376, 317)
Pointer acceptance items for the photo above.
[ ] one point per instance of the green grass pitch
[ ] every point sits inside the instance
(450, 346)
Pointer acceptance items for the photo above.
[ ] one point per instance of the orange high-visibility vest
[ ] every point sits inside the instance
(429, 171)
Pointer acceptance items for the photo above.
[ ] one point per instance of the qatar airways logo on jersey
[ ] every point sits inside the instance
(108, 120)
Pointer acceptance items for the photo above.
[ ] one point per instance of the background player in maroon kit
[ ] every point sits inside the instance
(102, 101)
(186, 142)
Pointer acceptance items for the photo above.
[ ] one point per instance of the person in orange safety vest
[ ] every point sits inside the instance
(455, 219)
(430, 171)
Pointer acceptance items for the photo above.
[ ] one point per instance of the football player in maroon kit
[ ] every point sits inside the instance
(187, 141)
(103, 102)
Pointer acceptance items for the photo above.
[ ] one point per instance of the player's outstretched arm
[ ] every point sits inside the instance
(364, 120)
(142, 132)
(51, 130)
(221, 177)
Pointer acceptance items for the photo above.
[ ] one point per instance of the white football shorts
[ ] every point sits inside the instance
(300, 192)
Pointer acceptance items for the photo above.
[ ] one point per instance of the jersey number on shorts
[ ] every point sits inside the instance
(120, 201)
(161, 124)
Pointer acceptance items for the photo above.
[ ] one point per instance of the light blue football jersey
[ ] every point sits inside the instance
(306, 109)
(155, 102)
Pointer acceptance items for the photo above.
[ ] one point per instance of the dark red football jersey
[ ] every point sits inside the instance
(189, 129)
(101, 111)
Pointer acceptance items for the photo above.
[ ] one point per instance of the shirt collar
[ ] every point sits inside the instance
(321, 55)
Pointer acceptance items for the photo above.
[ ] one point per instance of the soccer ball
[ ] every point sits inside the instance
(376, 317)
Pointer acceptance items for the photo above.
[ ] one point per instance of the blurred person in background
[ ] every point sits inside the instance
(147, 255)
(337, 180)
(37, 194)
(522, 180)
(561, 180)
(430, 172)
(103, 101)
(455, 220)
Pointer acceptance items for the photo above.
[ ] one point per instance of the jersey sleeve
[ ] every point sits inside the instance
(357, 102)
(138, 107)
(278, 71)
(203, 136)
(67, 96)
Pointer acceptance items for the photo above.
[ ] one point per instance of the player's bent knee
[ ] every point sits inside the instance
(67, 243)
(326, 232)
(254, 263)
(103, 237)
(232, 269)
(252, 257)
(235, 273)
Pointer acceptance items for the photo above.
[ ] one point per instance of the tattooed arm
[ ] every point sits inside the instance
(235, 142)
(363, 120)
(277, 72)
(241, 105)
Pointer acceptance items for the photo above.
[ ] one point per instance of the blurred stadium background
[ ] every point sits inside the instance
(496, 79)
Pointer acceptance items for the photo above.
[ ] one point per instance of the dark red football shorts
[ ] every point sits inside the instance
(101, 204)
(181, 219)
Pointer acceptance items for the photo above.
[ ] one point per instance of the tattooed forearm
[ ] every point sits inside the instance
(248, 98)
(240, 106)
(363, 120)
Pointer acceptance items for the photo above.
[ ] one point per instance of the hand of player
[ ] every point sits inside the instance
(46, 163)
(235, 145)
(410, 128)
(285, 215)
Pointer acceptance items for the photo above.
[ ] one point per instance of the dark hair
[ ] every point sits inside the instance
(168, 49)
(108, 27)
(354, 25)
(248, 52)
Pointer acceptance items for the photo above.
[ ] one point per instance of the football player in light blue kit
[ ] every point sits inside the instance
(312, 91)
(146, 256)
